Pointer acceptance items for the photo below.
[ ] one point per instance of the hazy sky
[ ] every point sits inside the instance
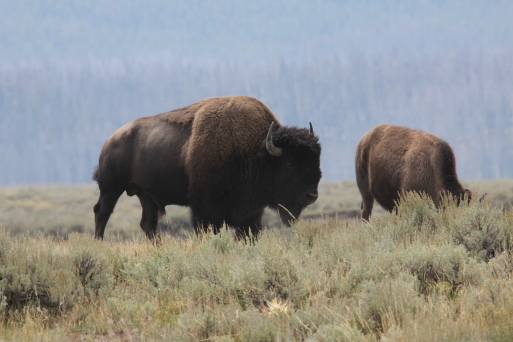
(237, 29)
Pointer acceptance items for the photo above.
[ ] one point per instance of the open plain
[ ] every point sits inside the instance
(418, 275)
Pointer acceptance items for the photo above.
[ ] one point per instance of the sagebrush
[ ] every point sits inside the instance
(421, 274)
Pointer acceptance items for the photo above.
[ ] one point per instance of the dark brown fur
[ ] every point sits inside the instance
(392, 159)
(212, 157)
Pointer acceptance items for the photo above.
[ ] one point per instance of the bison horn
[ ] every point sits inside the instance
(273, 150)
(311, 128)
(481, 199)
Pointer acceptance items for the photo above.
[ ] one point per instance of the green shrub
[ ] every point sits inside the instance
(382, 305)
(33, 275)
(43, 272)
(483, 230)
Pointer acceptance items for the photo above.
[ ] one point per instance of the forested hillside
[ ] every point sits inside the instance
(70, 74)
(58, 117)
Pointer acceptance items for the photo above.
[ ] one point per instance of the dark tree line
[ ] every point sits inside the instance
(54, 117)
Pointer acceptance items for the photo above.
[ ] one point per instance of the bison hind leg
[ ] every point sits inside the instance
(367, 205)
(103, 209)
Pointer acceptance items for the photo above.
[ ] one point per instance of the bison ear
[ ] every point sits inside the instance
(273, 150)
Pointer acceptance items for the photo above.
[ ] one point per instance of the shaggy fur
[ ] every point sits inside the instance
(391, 160)
(212, 157)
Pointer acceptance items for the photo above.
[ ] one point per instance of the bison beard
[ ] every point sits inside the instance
(391, 160)
(227, 158)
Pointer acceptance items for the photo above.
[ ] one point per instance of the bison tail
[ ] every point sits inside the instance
(448, 166)
(95, 174)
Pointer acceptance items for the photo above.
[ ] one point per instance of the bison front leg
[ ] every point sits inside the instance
(207, 214)
(250, 227)
(150, 216)
(202, 221)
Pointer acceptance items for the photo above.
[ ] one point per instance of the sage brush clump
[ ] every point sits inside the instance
(421, 274)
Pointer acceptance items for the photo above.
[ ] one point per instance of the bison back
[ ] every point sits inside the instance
(394, 159)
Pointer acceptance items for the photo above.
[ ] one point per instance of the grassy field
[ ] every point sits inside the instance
(420, 275)
(63, 209)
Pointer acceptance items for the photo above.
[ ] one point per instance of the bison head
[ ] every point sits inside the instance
(294, 157)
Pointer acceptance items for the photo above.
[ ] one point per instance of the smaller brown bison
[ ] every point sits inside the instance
(391, 160)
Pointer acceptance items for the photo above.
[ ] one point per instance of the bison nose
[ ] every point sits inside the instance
(311, 196)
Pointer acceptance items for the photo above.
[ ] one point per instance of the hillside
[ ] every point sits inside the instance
(55, 118)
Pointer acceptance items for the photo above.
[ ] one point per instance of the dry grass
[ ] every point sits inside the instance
(420, 275)
(63, 209)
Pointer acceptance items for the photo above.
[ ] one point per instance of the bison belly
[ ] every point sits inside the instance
(158, 170)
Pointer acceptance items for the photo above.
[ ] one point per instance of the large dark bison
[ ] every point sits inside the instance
(391, 160)
(227, 158)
